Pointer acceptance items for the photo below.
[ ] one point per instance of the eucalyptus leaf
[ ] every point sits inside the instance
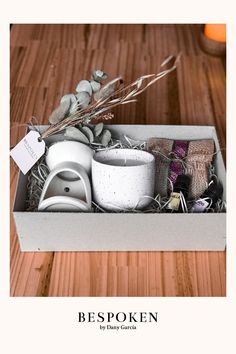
(84, 86)
(76, 134)
(105, 92)
(70, 98)
(108, 89)
(98, 129)
(99, 75)
(88, 133)
(73, 107)
(83, 99)
(60, 112)
(106, 137)
(95, 85)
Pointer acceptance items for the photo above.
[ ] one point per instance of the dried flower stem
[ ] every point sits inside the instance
(123, 95)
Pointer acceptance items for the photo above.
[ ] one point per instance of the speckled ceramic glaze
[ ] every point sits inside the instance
(122, 177)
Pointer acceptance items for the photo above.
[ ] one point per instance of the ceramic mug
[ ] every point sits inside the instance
(123, 178)
(69, 151)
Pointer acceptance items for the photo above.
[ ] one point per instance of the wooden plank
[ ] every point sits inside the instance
(47, 61)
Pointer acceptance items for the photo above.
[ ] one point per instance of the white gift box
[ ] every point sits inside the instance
(77, 231)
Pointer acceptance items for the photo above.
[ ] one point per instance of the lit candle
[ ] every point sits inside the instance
(216, 32)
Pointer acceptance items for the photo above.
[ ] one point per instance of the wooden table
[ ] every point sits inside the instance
(48, 61)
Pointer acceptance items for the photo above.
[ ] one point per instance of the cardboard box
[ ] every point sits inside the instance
(73, 231)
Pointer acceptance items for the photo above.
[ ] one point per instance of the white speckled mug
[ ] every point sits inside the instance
(123, 178)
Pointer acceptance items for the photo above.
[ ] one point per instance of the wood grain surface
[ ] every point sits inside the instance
(47, 61)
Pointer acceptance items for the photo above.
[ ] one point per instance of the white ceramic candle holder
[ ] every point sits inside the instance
(122, 179)
(69, 151)
(62, 195)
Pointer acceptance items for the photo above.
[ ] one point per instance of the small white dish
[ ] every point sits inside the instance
(62, 195)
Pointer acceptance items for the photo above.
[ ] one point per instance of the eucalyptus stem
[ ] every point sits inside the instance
(98, 109)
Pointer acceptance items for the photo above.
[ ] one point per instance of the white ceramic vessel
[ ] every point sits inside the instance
(62, 195)
(69, 151)
(123, 178)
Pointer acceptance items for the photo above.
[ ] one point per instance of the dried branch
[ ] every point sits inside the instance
(98, 109)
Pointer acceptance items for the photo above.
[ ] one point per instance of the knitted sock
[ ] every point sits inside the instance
(200, 155)
(159, 147)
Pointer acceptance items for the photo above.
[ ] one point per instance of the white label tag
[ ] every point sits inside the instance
(28, 151)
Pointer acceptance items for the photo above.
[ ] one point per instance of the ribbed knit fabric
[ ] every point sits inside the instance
(159, 147)
(179, 151)
(199, 158)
